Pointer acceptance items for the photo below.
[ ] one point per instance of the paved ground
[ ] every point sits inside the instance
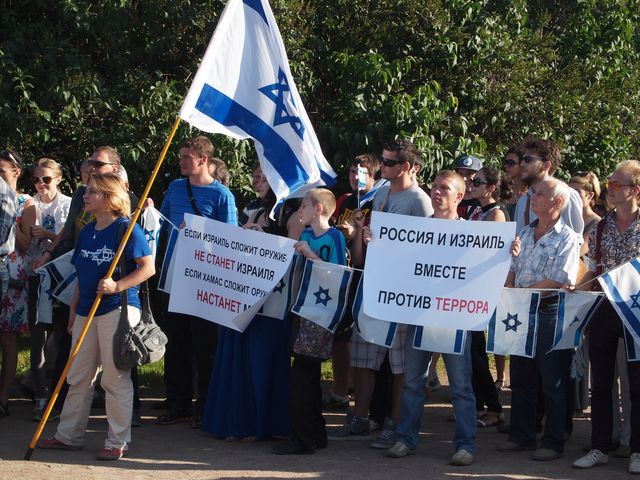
(172, 452)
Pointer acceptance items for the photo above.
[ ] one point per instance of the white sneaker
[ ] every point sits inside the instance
(462, 458)
(596, 457)
(634, 463)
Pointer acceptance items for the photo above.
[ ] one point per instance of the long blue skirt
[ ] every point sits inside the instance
(249, 387)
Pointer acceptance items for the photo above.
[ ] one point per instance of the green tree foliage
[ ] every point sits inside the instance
(457, 76)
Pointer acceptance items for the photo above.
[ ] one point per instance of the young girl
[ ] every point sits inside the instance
(107, 200)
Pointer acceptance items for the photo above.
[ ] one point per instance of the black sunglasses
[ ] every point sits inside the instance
(45, 180)
(532, 158)
(387, 162)
(510, 163)
(98, 163)
(476, 182)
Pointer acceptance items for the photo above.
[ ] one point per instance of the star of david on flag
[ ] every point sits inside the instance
(279, 301)
(323, 293)
(375, 331)
(244, 89)
(622, 287)
(574, 311)
(513, 326)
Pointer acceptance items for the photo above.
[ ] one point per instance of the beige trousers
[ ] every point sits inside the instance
(96, 350)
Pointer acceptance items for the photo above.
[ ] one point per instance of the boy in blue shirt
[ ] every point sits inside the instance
(318, 242)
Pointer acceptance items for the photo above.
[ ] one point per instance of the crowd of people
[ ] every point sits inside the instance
(244, 386)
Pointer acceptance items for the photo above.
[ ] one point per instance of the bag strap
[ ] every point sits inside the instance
(192, 200)
(599, 230)
(123, 325)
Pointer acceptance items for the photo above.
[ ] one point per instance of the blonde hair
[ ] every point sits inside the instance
(114, 191)
(456, 177)
(324, 197)
(632, 167)
(589, 183)
(51, 165)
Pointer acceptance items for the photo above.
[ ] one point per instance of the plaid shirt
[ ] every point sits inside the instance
(554, 257)
(616, 247)
(7, 218)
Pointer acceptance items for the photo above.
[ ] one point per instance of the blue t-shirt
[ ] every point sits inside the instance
(330, 246)
(92, 258)
(214, 201)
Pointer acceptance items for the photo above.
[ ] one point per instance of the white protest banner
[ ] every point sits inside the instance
(446, 273)
(223, 273)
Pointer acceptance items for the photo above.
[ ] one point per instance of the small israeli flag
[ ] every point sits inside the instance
(281, 298)
(166, 271)
(370, 329)
(57, 280)
(574, 312)
(439, 340)
(151, 223)
(622, 287)
(372, 193)
(362, 177)
(323, 293)
(513, 327)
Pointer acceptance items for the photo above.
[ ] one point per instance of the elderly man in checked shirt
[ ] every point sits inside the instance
(548, 259)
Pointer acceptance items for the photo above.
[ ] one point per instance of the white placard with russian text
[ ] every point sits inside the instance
(441, 273)
(224, 273)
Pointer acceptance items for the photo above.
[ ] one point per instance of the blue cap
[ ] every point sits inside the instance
(469, 162)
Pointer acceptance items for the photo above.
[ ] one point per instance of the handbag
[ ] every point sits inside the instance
(309, 339)
(143, 343)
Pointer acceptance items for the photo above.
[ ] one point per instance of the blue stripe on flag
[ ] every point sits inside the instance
(622, 305)
(173, 238)
(346, 276)
(417, 338)
(277, 151)
(391, 333)
(560, 318)
(357, 305)
(64, 284)
(533, 313)
(635, 264)
(257, 6)
(304, 286)
(54, 273)
(629, 341)
(491, 337)
(587, 317)
(458, 343)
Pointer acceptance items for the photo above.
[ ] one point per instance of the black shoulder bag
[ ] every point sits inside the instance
(143, 343)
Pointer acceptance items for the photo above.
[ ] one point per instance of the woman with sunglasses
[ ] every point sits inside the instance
(489, 188)
(588, 186)
(52, 208)
(13, 311)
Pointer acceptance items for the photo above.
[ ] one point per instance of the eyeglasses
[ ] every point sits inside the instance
(615, 186)
(98, 163)
(387, 162)
(45, 180)
(531, 158)
(510, 163)
(476, 182)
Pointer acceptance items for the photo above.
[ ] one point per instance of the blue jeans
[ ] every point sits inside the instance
(552, 368)
(416, 364)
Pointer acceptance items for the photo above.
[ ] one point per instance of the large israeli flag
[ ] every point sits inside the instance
(574, 311)
(57, 280)
(323, 293)
(281, 298)
(151, 223)
(622, 287)
(513, 327)
(439, 340)
(371, 329)
(244, 89)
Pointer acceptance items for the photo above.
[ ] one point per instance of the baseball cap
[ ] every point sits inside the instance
(470, 162)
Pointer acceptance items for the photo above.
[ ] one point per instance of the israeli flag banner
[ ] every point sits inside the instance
(622, 287)
(574, 311)
(281, 298)
(439, 340)
(166, 271)
(372, 193)
(323, 293)
(370, 329)
(57, 280)
(151, 223)
(513, 327)
(244, 89)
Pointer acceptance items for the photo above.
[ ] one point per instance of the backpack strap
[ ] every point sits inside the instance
(192, 199)
(123, 325)
(599, 230)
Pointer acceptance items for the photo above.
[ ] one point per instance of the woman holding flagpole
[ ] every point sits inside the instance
(614, 241)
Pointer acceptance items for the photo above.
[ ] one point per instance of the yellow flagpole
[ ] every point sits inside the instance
(96, 302)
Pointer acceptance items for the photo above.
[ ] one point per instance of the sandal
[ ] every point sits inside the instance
(489, 420)
(4, 409)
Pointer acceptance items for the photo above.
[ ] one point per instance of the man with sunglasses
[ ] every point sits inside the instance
(539, 159)
(401, 195)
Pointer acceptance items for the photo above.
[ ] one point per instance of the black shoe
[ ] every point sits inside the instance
(293, 447)
(196, 422)
(173, 416)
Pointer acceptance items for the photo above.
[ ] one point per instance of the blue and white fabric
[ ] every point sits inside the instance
(281, 298)
(371, 329)
(622, 287)
(513, 325)
(574, 311)
(439, 340)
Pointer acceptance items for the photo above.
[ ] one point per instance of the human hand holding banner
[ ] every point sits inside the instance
(446, 273)
(223, 273)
